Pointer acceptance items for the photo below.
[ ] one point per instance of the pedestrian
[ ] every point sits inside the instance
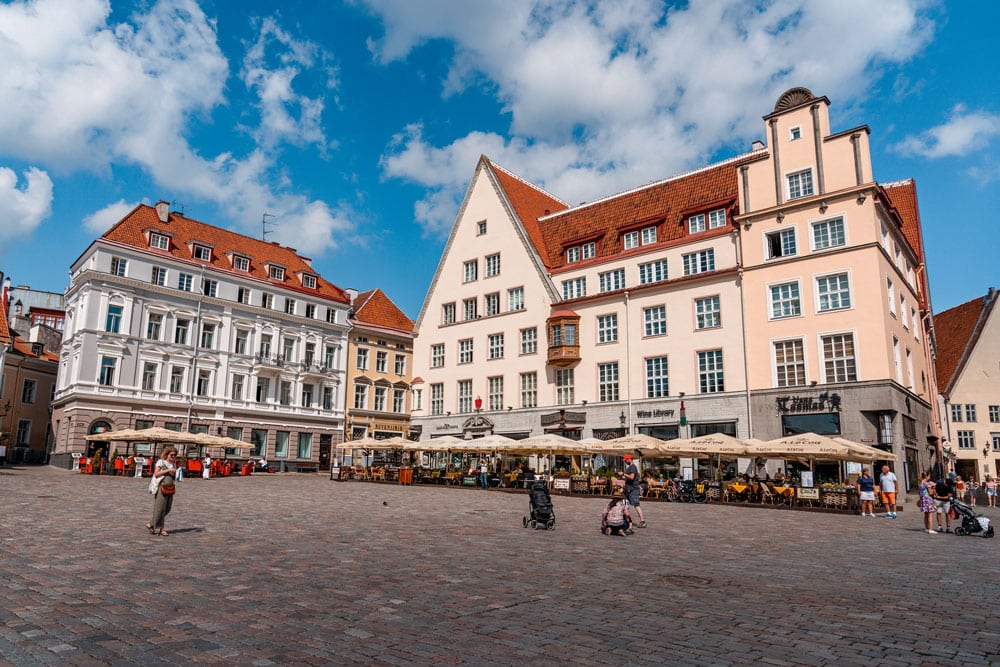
(206, 466)
(888, 484)
(616, 519)
(942, 495)
(633, 490)
(960, 488)
(866, 491)
(925, 503)
(484, 474)
(973, 488)
(991, 491)
(162, 487)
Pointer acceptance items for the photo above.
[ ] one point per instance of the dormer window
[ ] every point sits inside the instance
(711, 220)
(572, 254)
(630, 240)
(203, 253)
(276, 272)
(648, 235)
(717, 218)
(159, 241)
(308, 281)
(241, 263)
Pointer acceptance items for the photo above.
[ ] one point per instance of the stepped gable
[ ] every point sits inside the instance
(957, 331)
(903, 197)
(530, 203)
(668, 201)
(374, 307)
(132, 231)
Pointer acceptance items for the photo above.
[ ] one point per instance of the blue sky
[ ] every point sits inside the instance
(358, 124)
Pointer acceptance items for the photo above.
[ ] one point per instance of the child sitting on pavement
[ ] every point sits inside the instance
(616, 519)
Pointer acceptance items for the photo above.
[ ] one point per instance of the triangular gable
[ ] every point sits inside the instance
(958, 330)
(374, 307)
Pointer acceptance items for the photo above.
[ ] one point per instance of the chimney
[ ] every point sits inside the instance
(163, 210)
(352, 294)
(757, 145)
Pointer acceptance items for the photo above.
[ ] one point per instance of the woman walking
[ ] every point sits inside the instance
(926, 503)
(991, 491)
(162, 487)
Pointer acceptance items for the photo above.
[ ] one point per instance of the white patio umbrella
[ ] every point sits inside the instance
(873, 453)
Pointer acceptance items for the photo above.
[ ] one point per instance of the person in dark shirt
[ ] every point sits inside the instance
(942, 495)
(866, 491)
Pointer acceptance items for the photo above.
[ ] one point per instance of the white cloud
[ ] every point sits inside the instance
(83, 94)
(101, 220)
(965, 132)
(23, 208)
(604, 96)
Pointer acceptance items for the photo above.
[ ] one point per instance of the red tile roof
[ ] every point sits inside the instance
(374, 307)
(132, 231)
(665, 203)
(24, 347)
(957, 331)
(903, 198)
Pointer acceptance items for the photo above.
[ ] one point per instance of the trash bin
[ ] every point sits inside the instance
(247, 468)
(406, 475)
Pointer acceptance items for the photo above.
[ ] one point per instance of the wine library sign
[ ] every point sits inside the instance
(824, 402)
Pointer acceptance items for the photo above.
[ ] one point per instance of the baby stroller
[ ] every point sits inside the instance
(540, 502)
(971, 522)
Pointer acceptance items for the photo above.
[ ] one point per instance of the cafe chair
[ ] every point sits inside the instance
(767, 495)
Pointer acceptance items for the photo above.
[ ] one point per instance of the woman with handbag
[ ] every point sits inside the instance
(162, 487)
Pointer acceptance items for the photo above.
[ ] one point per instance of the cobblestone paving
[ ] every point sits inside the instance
(297, 569)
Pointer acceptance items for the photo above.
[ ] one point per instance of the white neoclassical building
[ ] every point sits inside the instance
(175, 323)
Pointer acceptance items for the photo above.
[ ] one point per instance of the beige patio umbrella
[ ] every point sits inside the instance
(155, 434)
(873, 453)
(803, 445)
(714, 444)
(546, 443)
(630, 443)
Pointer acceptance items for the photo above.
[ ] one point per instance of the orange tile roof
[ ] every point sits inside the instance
(131, 231)
(902, 197)
(24, 347)
(529, 202)
(374, 307)
(957, 331)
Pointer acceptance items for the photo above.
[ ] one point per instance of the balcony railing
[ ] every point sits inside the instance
(275, 360)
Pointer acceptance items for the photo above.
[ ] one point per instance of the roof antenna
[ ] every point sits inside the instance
(264, 222)
(173, 205)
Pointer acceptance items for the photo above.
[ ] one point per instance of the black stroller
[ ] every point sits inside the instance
(540, 502)
(971, 522)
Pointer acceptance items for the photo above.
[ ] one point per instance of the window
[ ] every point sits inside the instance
(710, 378)
(285, 392)
(717, 218)
(630, 240)
(362, 359)
(448, 313)
(148, 376)
(903, 312)
(529, 341)
(23, 433)
(153, 326)
(398, 400)
(241, 263)
(574, 288)
(562, 334)
(465, 351)
(360, 397)
(381, 396)
(437, 355)
(265, 345)
(494, 394)
(381, 361)
(118, 265)
(236, 389)
(607, 381)
(470, 309)
(281, 439)
(656, 378)
(515, 298)
(781, 243)
(909, 369)
(470, 270)
(159, 241)
(970, 412)
(696, 223)
(176, 379)
(648, 235)
(496, 346)
(891, 295)
(276, 272)
(564, 387)
(465, 395)
(184, 282)
(795, 133)
(267, 300)
(304, 447)
(207, 336)
(655, 321)
(310, 356)
(159, 276)
(800, 184)
(699, 262)
(493, 304)
(399, 364)
(328, 398)
(290, 306)
(330, 354)
(243, 295)
(204, 382)
(493, 265)
(838, 358)
(28, 391)
(653, 272)
(966, 439)
(480, 228)
(308, 281)
(828, 234)
(572, 254)
(331, 315)
(114, 319)
(588, 250)
(994, 414)
(529, 390)
(789, 363)
(263, 389)
(707, 313)
(607, 328)
(785, 301)
(834, 292)
(956, 413)
(203, 253)
(611, 280)
(107, 376)
(437, 399)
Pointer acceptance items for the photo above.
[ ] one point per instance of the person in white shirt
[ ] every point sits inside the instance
(888, 484)
(206, 466)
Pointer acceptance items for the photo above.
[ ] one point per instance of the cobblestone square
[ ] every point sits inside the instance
(298, 569)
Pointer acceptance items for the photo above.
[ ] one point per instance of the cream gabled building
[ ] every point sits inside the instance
(175, 323)
(779, 291)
